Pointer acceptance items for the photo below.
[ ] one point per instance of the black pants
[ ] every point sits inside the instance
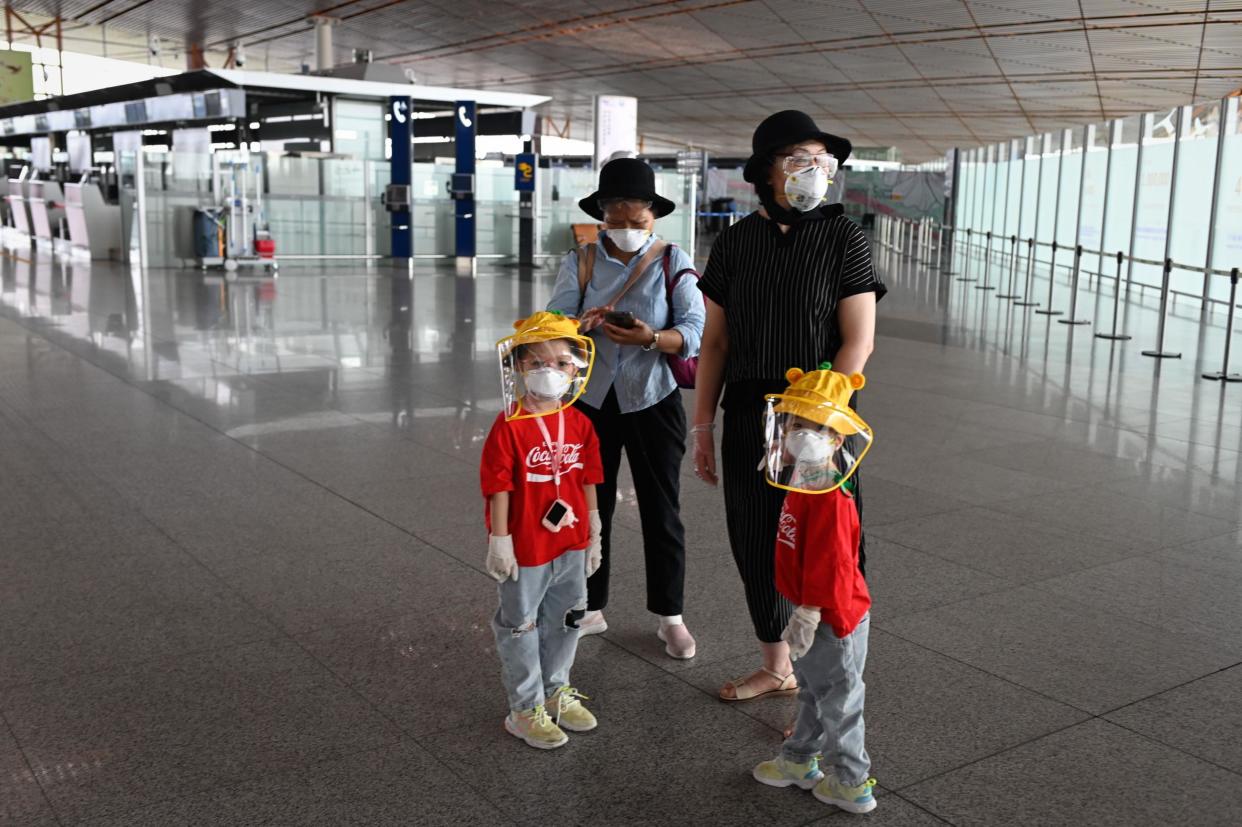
(654, 440)
(753, 510)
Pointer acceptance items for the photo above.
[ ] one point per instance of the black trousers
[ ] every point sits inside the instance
(654, 440)
(753, 510)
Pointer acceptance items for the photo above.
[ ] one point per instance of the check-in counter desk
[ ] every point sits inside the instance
(17, 205)
(94, 224)
(46, 203)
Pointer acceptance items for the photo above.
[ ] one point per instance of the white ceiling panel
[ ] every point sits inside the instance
(918, 74)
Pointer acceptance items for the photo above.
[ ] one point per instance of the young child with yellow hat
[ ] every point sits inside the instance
(539, 470)
(817, 570)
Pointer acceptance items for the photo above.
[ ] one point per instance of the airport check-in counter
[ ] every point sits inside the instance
(46, 203)
(17, 205)
(94, 224)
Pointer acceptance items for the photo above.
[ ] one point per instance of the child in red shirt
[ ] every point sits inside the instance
(817, 570)
(539, 470)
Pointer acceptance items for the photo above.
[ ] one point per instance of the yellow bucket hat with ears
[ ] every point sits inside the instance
(823, 396)
(544, 326)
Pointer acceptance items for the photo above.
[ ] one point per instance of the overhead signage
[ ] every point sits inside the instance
(16, 77)
(524, 166)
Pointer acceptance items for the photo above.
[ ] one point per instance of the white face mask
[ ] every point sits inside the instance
(547, 383)
(810, 447)
(806, 188)
(628, 241)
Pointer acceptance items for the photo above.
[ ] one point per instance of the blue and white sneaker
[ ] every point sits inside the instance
(856, 799)
(781, 773)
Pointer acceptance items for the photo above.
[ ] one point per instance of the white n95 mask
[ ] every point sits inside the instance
(806, 188)
(548, 383)
(808, 446)
(628, 241)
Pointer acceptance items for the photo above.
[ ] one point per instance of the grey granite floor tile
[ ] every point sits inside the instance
(1093, 773)
(169, 728)
(1002, 544)
(396, 785)
(903, 580)
(1165, 591)
(335, 586)
(961, 477)
(1080, 655)
(1202, 718)
(644, 764)
(886, 501)
(415, 667)
(926, 713)
(1058, 461)
(1112, 517)
(22, 803)
(1196, 491)
(891, 811)
(84, 618)
(418, 505)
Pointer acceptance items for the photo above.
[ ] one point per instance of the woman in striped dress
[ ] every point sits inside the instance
(790, 285)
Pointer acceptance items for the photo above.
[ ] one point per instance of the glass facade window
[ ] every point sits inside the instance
(1227, 235)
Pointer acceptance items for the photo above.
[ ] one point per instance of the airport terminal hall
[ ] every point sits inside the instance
(625, 412)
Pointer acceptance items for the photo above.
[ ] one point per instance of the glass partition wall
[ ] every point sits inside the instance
(1163, 185)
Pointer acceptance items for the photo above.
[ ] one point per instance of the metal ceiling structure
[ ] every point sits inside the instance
(922, 75)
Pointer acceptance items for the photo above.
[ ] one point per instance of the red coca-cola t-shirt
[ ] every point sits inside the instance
(817, 558)
(517, 459)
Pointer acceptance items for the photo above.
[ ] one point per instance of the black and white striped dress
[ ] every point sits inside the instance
(779, 292)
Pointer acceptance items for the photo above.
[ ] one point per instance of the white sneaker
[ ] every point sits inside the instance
(679, 643)
(592, 623)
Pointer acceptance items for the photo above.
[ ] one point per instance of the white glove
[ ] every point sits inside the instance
(595, 550)
(800, 633)
(500, 560)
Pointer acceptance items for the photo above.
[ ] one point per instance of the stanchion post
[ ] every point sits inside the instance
(1115, 336)
(1052, 280)
(1223, 375)
(1160, 352)
(969, 244)
(1013, 269)
(987, 266)
(1030, 274)
(1074, 291)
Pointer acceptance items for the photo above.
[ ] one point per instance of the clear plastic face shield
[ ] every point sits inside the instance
(543, 372)
(812, 447)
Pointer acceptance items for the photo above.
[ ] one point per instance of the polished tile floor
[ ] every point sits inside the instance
(241, 548)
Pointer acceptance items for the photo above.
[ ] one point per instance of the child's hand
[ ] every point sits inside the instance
(800, 633)
(595, 550)
(501, 563)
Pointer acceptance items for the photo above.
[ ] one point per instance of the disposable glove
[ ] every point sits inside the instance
(500, 560)
(800, 633)
(595, 549)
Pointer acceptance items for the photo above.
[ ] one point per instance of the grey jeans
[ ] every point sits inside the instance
(830, 704)
(536, 634)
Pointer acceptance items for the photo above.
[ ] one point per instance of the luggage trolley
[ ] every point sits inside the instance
(231, 234)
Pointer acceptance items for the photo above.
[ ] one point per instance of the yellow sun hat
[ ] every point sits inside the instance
(544, 326)
(822, 396)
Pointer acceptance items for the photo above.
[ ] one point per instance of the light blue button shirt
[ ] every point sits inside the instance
(641, 378)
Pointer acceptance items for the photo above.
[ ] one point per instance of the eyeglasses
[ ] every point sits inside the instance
(801, 161)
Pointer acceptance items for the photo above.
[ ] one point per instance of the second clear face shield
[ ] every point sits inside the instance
(812, 447)
(543, 372)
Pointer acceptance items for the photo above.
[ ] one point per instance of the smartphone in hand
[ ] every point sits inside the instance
(620, 318)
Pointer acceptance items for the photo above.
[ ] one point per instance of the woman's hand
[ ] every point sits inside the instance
(704, 454)
(640, 335)
(592, 319)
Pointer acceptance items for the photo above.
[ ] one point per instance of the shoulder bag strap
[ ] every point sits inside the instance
(586, 266)
(640, 267)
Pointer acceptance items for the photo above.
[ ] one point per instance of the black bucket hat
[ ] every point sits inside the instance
(781, 130)
(626, 178)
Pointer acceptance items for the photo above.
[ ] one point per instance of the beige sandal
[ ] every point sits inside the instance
(742, 690)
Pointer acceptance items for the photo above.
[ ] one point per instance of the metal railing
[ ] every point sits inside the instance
(925, 242)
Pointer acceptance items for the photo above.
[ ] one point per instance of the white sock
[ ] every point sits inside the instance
(669, 620)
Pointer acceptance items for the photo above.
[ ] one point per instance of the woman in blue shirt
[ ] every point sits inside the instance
(632, 397)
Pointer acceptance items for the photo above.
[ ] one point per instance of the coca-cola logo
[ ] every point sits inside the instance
(787, 531)
(541, 457)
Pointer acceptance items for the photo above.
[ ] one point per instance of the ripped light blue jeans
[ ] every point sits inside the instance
(536, 628)
(831, 694)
